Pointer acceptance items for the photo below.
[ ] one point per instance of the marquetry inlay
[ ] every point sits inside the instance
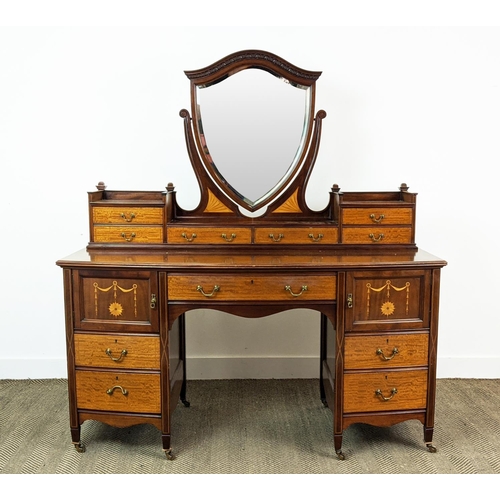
(291, 205)
(215, 205)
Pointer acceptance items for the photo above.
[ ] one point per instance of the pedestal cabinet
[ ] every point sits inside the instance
(122, 364)
(383, 354)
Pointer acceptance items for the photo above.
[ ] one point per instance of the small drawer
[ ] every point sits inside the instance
(127, 214)
(385, 351)
(377, 215)
(225, 287)
(209, 235)
(296, 235)
(376, 236)
(115, 391)
(117, 351)
(128, 234)
(385, 390)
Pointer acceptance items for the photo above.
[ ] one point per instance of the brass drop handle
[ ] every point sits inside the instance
(376, 219)
(199, 288)
(128, 238)
(349, 301)
(152, 302)
(117, 360)
(187, 238)
(231, 238)
(128, 219)
(303, 289)
(110, 391)
(387, 358)
(380, 237)
(279, 238)
(318, 238)
(378, 393)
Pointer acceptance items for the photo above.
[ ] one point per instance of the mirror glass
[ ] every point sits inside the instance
(253, 127)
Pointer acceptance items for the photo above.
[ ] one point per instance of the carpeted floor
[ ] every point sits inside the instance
(250, 427)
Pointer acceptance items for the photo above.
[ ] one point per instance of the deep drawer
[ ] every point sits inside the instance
(376, 236)
(113, 391)
(251, 287)
(385, 351)
(385, 390)
(377, 215)
(209, 235)
(128, 234)
(130, 215)
(291, 235)
(117, 351)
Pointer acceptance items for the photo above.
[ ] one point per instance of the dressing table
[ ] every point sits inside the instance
(252, 247)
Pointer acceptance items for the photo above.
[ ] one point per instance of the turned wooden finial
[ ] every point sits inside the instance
(170, 187)
(101, 186)
(335, 188)
(403, 188)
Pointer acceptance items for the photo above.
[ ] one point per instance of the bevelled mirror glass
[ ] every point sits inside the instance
(252, 118)
(255, 128)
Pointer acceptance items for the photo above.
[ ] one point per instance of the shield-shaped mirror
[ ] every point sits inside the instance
(252, 120)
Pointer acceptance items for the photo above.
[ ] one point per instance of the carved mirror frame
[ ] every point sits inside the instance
(217, 196)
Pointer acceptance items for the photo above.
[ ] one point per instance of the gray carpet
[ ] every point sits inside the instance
(250, 427)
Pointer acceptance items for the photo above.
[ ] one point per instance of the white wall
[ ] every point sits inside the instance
(81, 105)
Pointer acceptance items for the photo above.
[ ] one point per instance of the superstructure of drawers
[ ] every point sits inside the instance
(376, 218)
(126, 218)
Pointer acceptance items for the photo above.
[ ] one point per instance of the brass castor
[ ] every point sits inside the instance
(79, 447)
(431, 448)
(186, 403)
(169, 454)
(340, 454)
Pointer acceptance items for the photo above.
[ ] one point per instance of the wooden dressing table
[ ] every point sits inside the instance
(148, 262)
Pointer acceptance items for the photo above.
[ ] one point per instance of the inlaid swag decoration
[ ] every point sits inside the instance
(388, 307)
(115, 308)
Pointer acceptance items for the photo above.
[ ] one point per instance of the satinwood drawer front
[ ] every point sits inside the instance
(117, 351)
(295, 235)
(127, 214)
(385, 351)
(385, 390)
(112, 391)
(377, 216)
(124, 302)
(387, 300)
(128, 234)
(251, 287)
(209, 235)
(376, 235)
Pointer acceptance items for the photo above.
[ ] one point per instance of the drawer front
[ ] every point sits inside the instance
(116, 301)
(377, 216)
(114, 391)
(385, 351)
(209, 235)
(376, 235)
(291, 235)
(117, 351)
(130, 215)
(128, 234)
(387, 300)
(386, 390)
(225, 287)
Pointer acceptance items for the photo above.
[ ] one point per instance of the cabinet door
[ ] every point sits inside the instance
(387, 300)
(110, 300)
